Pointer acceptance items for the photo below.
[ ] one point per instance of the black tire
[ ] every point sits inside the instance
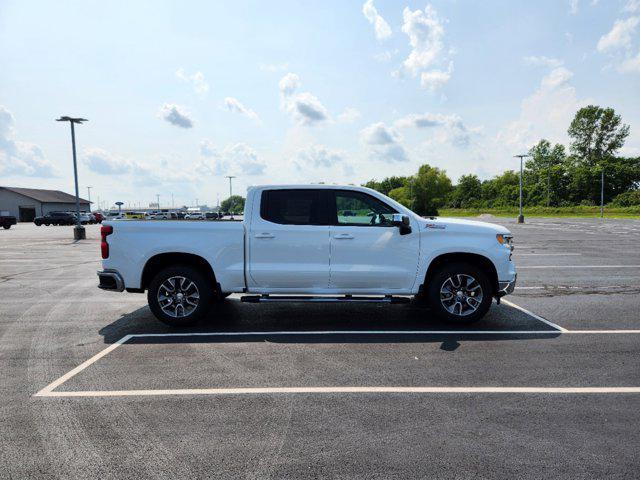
(181, 317)
(37, 223)
(6, 227)
(457, 277)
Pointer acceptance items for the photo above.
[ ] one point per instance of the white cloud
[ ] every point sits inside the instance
(102, 162)
(235, 159)
(542, 61)
(208, 149)
(425, 31)
(175, 115)
(574, 6)
(234, 105)
(384, 143)
(556, 78)
(630, 65)
(20, 158)
(289, 84)
(434, 79)
(379, 134)
(632, 6)
(381, 27)
(200, 85)
(452, 129)
(620, 35)
(544, 114)
(318, 156)
(349, 115)
(304, 108)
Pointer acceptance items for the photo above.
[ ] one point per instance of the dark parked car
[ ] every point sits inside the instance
(56, 218)
(98, 216)
(6, 221)
(211, 216)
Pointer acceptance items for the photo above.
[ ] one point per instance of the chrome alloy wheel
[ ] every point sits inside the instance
(178, 297)
(461, 295)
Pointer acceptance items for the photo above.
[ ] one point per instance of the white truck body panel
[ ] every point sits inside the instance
(259, 256)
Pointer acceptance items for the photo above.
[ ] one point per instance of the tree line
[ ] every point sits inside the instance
(552, 176)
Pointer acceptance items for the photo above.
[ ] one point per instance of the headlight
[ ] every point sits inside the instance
(505, 239)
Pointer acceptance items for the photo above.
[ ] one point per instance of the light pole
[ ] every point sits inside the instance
(89, 197)
(158, 200)
(230, 177)
(602, 191)
(521, 156)
(78, 232)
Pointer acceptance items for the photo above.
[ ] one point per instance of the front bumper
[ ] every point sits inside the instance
(505, 288)
(110, 280)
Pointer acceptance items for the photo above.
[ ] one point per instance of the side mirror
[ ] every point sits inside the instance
(402, 222)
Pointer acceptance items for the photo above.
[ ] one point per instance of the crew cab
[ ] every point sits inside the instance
(311, 243)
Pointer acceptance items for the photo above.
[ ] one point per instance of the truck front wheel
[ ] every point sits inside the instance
(459, 293)
(179, 296)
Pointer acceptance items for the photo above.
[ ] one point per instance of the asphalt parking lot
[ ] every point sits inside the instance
(546, 386)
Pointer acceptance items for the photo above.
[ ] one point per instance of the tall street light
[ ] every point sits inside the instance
(601, 191)
(230, 177)
(78, 232)
(89, 197)
(521, 156)
(158, 200)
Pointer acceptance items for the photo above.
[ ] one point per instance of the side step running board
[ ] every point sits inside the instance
(312, 299)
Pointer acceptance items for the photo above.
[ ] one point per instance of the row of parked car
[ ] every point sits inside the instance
(167, 215)
(68, 218)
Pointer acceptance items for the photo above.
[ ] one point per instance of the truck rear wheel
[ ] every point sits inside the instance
(179, 296)
(459, 293)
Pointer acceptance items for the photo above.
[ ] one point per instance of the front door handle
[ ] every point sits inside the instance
(264, 235)
(343, 236)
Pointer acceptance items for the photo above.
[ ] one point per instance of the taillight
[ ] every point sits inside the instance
(105, 230)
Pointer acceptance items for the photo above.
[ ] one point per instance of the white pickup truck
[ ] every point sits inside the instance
(310, 243)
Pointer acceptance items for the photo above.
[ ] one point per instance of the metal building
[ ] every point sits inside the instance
(27, 203)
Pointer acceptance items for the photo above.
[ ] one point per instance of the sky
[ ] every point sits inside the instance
(181, 94)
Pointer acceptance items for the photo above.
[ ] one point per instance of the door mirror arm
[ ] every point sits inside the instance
(402, 222)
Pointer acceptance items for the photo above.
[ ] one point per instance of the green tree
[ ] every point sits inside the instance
(502, 190)
(387, 184)
(401, 195)
(429, 190)
(597, 133)
(467, 193)
(545, 181)
(233, 204)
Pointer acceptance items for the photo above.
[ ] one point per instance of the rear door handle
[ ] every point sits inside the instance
(343, 236)
(264, 235)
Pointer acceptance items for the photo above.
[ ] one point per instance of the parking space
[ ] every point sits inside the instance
(549, 380)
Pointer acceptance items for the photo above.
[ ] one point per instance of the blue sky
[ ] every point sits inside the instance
(180, 94)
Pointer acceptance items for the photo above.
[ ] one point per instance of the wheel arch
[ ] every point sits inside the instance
(167, 259)
(480, 261)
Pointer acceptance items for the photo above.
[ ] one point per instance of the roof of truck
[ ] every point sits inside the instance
(307, 185)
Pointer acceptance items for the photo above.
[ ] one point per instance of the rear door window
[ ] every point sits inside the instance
(294, 207)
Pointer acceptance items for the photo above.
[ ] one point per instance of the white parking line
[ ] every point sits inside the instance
(48, 391)
(576, 266)
(289, 390)
(533, 315)
(515, 252)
